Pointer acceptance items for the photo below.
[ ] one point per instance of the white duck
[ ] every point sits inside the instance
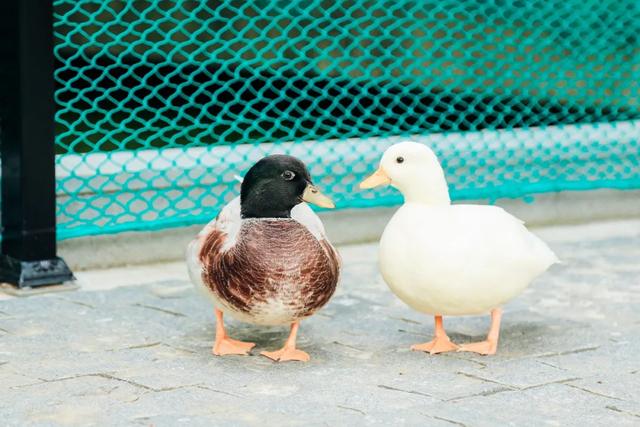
(445, 259)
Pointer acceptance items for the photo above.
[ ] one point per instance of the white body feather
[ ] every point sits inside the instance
(459, 259)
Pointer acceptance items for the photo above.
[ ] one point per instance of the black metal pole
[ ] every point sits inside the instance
(27, 146)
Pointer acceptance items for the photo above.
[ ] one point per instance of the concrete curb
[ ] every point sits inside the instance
(345, 227)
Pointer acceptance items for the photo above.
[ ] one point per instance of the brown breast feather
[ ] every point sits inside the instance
(271, 259)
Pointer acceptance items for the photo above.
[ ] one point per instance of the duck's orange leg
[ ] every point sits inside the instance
(439, 344)
(289, 351)
(225, 345)
(490, 345)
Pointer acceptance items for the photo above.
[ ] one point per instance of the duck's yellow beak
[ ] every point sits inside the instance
(313, 195)
(378, 178)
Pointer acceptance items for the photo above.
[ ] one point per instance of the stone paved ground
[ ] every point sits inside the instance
(140, 355)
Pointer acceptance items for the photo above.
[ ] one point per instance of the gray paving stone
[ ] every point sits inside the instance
(554, 404)
(141, 355)
(520, 374)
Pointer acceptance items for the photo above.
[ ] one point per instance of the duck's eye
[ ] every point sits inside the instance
(399, 159)
(288, 175)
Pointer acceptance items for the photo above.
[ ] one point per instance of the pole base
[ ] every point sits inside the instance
(11, 290)
(31, 274)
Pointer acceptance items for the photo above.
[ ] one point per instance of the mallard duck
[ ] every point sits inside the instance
(444, 259)
(265, 259)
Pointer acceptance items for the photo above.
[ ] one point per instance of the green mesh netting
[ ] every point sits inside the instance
(160, 104)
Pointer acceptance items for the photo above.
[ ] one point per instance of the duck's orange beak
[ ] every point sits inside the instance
(378, 178)
(313, 195)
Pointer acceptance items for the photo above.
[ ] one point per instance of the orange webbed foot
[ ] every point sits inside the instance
(486, 348)
(436, 345)
(289, 351)
(226, 346)
(286, 354)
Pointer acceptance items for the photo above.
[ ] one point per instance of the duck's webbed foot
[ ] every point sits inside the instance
(289, 351)
(439, 344)
(436, 345)
(224, 345)
(483, 347)
(490, 345)
(285, 354)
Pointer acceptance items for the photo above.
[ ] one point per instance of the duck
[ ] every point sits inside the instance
(266, 259)
(446, 259)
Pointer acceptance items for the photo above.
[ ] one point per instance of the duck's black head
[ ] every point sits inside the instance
(274, 185)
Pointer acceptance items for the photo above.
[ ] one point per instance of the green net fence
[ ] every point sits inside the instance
(161, 104)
